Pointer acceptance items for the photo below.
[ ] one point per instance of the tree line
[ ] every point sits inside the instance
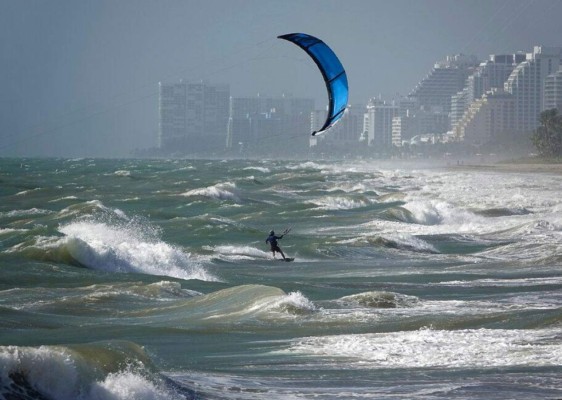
(547, 138)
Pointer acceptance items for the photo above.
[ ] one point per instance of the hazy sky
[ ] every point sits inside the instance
(80, 77)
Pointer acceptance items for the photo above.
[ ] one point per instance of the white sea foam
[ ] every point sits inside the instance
(128, 247)
(85, 207)
(129, 385)
(435, 212)
(265, 170)
(122, 173)
(24, 213)
(306, 165)
(232, 253)
(349, 187)
(294, 303)
(59, 373)
(220, 191)
(63, 198)
(5, 231)
(470, 348)
(515, 282)
(338, 203)
(404, 241)
(24, 192)
(49, 371)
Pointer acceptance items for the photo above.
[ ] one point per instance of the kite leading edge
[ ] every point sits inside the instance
(332, 71)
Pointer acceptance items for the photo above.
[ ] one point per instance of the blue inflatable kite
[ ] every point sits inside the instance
(332, 71)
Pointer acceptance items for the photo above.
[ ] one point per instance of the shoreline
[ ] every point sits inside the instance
(512, 167)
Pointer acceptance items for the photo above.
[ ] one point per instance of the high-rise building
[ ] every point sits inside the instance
(490, 74)
(487, 118)
(207, 117)
(553, 91)
(445, 79)
(193, 117)
(526, 84)
(269, 125)
(343, 137)
(172, 116)
(459, 104)
(404, 128)
(377, 123)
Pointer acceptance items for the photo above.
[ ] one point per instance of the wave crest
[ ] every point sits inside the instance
(115, 245)
(220, 191)
(110, 370)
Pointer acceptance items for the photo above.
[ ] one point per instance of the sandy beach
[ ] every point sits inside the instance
(513, 167)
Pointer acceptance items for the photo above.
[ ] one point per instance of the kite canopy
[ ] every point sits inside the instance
(332, 71)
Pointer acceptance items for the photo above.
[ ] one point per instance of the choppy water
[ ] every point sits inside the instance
(151, 280)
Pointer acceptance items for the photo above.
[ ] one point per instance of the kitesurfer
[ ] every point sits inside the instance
(272, 240)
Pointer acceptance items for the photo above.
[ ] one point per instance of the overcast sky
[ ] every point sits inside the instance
(80, 77)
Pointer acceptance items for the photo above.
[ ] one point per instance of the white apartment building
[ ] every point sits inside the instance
(404, 129)
(193, 117)
(207, 116)
(459, 104)
(447, 78)
(490, 74)
(553, 91)
(377, 123)
(526, 84)
(487, 118)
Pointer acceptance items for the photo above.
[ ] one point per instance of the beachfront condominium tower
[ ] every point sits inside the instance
(207, 110)
(193, 117)
(489, 118)
(377, 123)
(172, 124)
(272, 126)
(492, 73)
(446, 78)
(526, 83)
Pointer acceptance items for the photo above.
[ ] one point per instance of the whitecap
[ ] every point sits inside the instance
(128, 247)
(24, 213)
(220, 191)
(264, 170)
(122, 173)
(338, 203)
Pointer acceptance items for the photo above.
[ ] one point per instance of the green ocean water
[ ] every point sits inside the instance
(150, 279)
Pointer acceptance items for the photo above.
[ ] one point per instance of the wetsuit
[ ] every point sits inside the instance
(272, 240)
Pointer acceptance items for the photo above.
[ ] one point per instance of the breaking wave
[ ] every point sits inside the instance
(112, 370)
(220, 191)
(115, 245)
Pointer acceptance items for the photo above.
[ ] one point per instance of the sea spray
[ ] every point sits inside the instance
(114, 370)
(131, 246)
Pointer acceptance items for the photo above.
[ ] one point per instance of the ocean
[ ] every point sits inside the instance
(151, 279)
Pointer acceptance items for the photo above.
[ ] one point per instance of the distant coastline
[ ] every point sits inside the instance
(523, 165)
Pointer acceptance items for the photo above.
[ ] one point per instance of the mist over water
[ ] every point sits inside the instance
(150, 279)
